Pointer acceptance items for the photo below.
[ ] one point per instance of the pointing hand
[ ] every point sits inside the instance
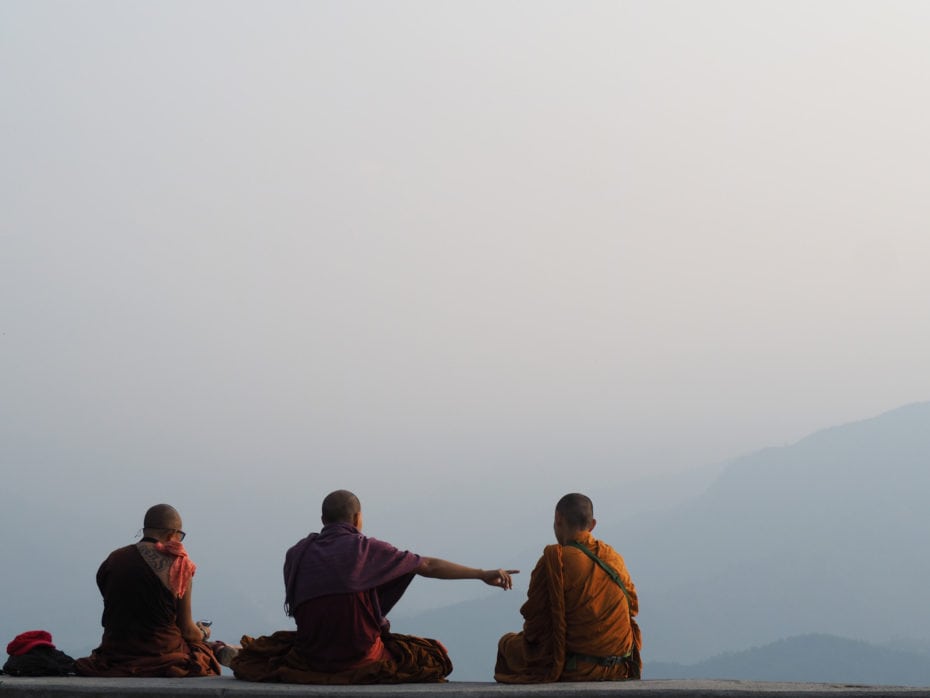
(499, 578)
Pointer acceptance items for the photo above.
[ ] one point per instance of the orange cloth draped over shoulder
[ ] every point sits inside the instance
(574, 615)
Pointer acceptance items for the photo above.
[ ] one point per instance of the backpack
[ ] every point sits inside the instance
(40, 661)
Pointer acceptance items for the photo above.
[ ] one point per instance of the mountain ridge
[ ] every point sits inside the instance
(811, 658)
(824, 535)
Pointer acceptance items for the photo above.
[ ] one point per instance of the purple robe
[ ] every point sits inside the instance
(339, 586)
(340, 560)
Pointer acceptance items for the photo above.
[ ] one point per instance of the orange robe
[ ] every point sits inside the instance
(574, 612)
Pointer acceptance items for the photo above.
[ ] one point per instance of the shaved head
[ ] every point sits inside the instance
(340, 506)
(162, 516)
(576, 509)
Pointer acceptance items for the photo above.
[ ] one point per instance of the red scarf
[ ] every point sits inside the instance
(182, 569)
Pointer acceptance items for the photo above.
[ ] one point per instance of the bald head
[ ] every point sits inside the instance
(162, 516)
(340, 506)
(577, 510)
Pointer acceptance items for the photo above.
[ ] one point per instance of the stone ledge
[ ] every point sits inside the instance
(79, 687)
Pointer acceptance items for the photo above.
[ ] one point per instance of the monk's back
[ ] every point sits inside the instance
(578, 617)
(597, 613)
(136, 602)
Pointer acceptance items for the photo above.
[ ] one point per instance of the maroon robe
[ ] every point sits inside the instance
(141, 636)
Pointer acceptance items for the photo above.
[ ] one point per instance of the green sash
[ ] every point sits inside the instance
(572, 658)
(611, 572)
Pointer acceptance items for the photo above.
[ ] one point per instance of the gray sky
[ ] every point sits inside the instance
(445, 249)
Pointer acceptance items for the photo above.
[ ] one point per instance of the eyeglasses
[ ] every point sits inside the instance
(176, 530)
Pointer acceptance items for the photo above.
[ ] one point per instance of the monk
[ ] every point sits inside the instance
(148, 629)
(578, 617)
(339, 587)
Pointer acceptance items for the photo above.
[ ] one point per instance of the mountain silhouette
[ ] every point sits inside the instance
(825, 536)
(815, 658)
(822, 537)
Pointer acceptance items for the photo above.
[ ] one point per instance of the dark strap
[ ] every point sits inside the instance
(611, 572)
(612, 660)
(630, 660)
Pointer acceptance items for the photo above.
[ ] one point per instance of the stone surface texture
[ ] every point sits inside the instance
(13, 687)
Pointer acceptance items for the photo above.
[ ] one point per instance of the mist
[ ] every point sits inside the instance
(460, 258)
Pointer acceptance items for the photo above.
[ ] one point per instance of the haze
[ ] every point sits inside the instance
(460, 258)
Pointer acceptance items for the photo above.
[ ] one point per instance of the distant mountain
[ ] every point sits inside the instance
(470, 631)
(827, 535)
(807, 658)
(824, 536)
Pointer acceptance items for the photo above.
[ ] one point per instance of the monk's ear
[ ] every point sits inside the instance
(593, 524)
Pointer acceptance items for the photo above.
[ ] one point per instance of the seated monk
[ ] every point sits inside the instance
(148, 629)
(578, 617)
(339, 586)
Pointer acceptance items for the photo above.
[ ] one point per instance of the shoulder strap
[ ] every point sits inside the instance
(611, 572)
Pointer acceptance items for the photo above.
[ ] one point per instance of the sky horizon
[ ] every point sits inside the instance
(460, 258)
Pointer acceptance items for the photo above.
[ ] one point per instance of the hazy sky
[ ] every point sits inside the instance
(453, 248)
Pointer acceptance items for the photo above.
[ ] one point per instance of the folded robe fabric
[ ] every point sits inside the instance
(277, 658)
(573, 608)
(166, 656)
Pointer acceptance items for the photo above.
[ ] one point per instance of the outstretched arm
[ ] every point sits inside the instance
(443, 569)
